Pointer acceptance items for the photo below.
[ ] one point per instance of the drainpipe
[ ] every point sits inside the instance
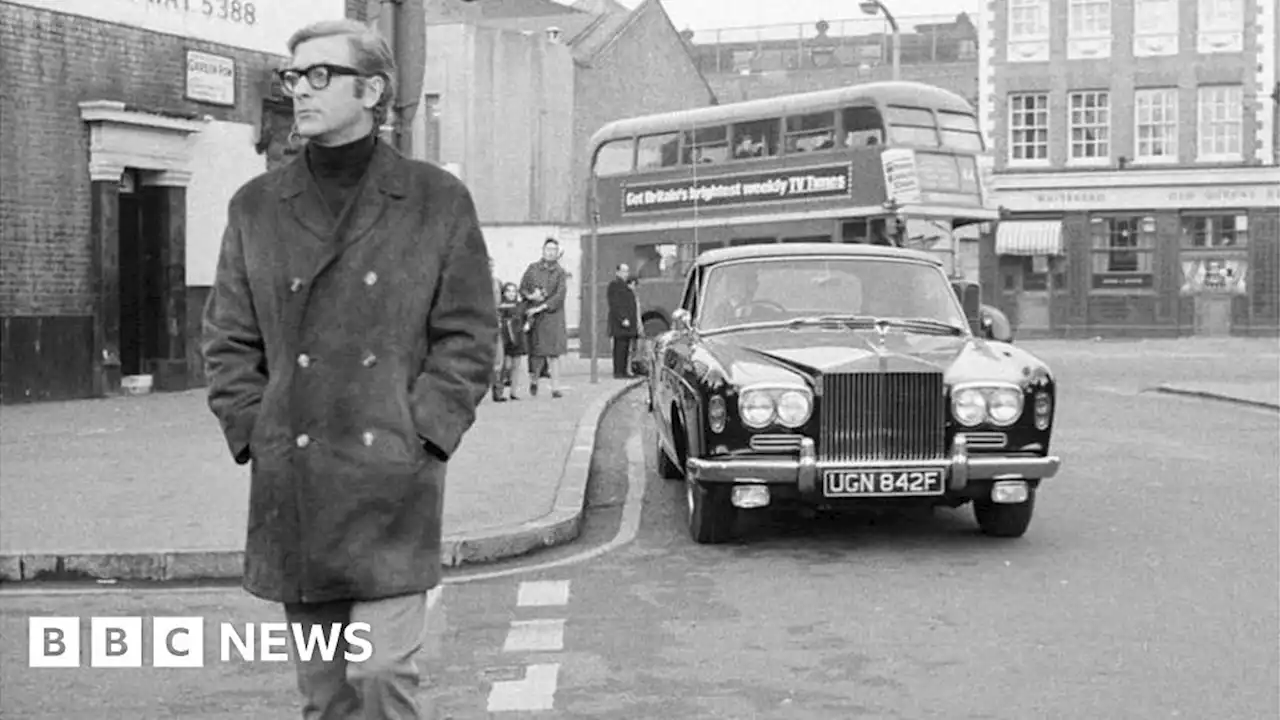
(406, 27)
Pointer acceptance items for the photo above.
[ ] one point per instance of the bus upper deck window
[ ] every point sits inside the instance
(658, 151)
(912, 126)
(960, 131)
(706, 145)
(614, 157)
(755, 139)
(811, 133)
(862, 126)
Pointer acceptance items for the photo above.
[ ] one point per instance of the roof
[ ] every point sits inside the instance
(786, 250)
(890, 92)
(523, 8)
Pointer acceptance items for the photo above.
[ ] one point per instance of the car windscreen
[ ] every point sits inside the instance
(779, 289)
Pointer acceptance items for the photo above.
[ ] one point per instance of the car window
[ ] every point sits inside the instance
(784, 289)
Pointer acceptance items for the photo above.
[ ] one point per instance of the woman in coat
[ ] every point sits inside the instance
(544, 286)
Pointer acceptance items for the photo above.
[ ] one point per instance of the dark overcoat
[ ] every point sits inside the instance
(622, 306)
(346, 368)
(549, 336)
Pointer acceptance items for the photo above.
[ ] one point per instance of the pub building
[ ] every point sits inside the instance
(1173, 252)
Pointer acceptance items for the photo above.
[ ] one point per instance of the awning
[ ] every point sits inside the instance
(1029, 237)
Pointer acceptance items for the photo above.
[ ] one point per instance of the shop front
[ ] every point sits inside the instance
(1143, 253)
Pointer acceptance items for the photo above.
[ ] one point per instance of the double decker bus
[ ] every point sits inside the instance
(896, 163)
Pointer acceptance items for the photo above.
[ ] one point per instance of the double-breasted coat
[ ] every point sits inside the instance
(549, 336)
(621, 300)
(346, 366)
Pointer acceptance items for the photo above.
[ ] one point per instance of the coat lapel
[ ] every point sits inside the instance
(384, 182)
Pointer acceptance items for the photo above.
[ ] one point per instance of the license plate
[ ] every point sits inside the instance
(883, 483)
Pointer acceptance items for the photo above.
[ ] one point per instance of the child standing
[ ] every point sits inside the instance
(513, 319)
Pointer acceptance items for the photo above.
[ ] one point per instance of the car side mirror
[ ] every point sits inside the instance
(995, 325)
(681, 320)
(969, 295)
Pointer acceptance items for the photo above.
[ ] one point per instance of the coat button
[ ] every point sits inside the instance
(295, 284)
(367, 438)
(304, 360)
(303, 440)
(369, 360)
(370, 277)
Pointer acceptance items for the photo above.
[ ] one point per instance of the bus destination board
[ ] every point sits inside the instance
(781, 185)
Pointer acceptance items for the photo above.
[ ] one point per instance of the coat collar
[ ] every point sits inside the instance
(386, 179)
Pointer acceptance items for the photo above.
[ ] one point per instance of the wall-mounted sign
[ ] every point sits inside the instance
(211, 78)
(1203, 196)
(1122, 281)
(1214, 275)
(812, 183)
(901, 179)
(261, 25)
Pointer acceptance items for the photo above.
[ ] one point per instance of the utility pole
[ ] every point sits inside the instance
(405, 28)
(874, 7)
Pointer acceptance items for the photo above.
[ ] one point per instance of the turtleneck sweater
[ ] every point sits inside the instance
(339, 169)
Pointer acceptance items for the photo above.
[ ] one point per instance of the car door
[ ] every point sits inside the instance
(671, 358)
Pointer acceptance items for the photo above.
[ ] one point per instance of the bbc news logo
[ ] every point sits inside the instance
(179, 642)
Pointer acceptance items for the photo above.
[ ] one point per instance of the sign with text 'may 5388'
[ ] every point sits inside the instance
(784, 184)
(260, 25)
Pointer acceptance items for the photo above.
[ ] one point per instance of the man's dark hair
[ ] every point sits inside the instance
(551, 241)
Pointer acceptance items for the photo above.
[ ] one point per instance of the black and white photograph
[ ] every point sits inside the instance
(640, 359)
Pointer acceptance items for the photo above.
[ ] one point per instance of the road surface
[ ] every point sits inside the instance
(1145, 588)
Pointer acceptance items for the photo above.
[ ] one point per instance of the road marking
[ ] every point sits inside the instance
(543, 635)
(542, 593)
(536, 691)
(637, 478)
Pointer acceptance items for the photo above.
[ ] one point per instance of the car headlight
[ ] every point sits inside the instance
(1004, 406)
(756, 408)
(969, 406)
(793, 408)
(1000, 405)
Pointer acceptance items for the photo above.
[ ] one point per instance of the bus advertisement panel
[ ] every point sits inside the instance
(892, 163)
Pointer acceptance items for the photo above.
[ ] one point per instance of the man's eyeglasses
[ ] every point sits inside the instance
(318, 76)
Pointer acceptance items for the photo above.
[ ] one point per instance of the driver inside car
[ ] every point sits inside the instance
(735, 295)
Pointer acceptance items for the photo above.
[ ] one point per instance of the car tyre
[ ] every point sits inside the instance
(1003, 520)
(712, 516)
(667, 469)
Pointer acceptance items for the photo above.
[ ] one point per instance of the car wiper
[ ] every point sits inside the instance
(923, 324)
(848, 321)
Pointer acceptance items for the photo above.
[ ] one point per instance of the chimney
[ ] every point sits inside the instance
(553, 34)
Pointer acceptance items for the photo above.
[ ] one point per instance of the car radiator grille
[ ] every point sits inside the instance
(882, 416)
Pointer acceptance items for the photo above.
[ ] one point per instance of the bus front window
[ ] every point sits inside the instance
(862, 126)
(912, 126)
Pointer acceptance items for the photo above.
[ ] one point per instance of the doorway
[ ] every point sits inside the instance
(141, 277)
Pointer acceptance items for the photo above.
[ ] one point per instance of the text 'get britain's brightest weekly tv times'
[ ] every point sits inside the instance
(186, 642)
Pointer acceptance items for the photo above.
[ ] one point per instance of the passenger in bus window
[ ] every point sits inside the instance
(748, 147)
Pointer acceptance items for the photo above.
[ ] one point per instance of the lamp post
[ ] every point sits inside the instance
(873, 7)
(593, 279)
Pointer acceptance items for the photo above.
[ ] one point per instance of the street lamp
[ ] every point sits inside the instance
(873, 7)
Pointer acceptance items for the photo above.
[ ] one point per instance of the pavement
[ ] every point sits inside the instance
(1143, 590)
(143, 488)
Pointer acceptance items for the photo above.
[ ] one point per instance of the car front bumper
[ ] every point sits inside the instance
(804, 471)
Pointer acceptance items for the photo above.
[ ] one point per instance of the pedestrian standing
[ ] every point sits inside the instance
(348, 337)
(499, 358)
(515, 346)
(639, 358)
(623, 319)
(544, 286)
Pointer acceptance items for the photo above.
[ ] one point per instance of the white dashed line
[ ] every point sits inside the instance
(545, 635)
(543, 593)
(537, 691)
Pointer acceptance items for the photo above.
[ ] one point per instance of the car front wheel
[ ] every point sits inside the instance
(711, 512)
(667, 469)
(1005, 520)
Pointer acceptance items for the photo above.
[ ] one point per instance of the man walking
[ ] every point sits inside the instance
(349, 337)
(623, 321)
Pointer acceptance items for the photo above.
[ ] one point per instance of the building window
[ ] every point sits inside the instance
(1155, 25)
(1221, 26)
(1029, 128)
(1123, 249)
(1156, 125)
(1028, 32)
(1090, 126)
(1215, 232)
(1090, 18)
(1028, 19)
(1220, 120)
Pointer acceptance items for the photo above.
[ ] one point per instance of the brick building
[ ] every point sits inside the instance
(516, 88)
(127, 126)
(1135, 159)
(746, 63)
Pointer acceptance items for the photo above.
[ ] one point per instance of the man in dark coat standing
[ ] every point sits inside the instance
(623, 321)
(349, 336)
(545, 285)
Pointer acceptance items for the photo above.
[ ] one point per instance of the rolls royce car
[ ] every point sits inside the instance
(840, 376)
